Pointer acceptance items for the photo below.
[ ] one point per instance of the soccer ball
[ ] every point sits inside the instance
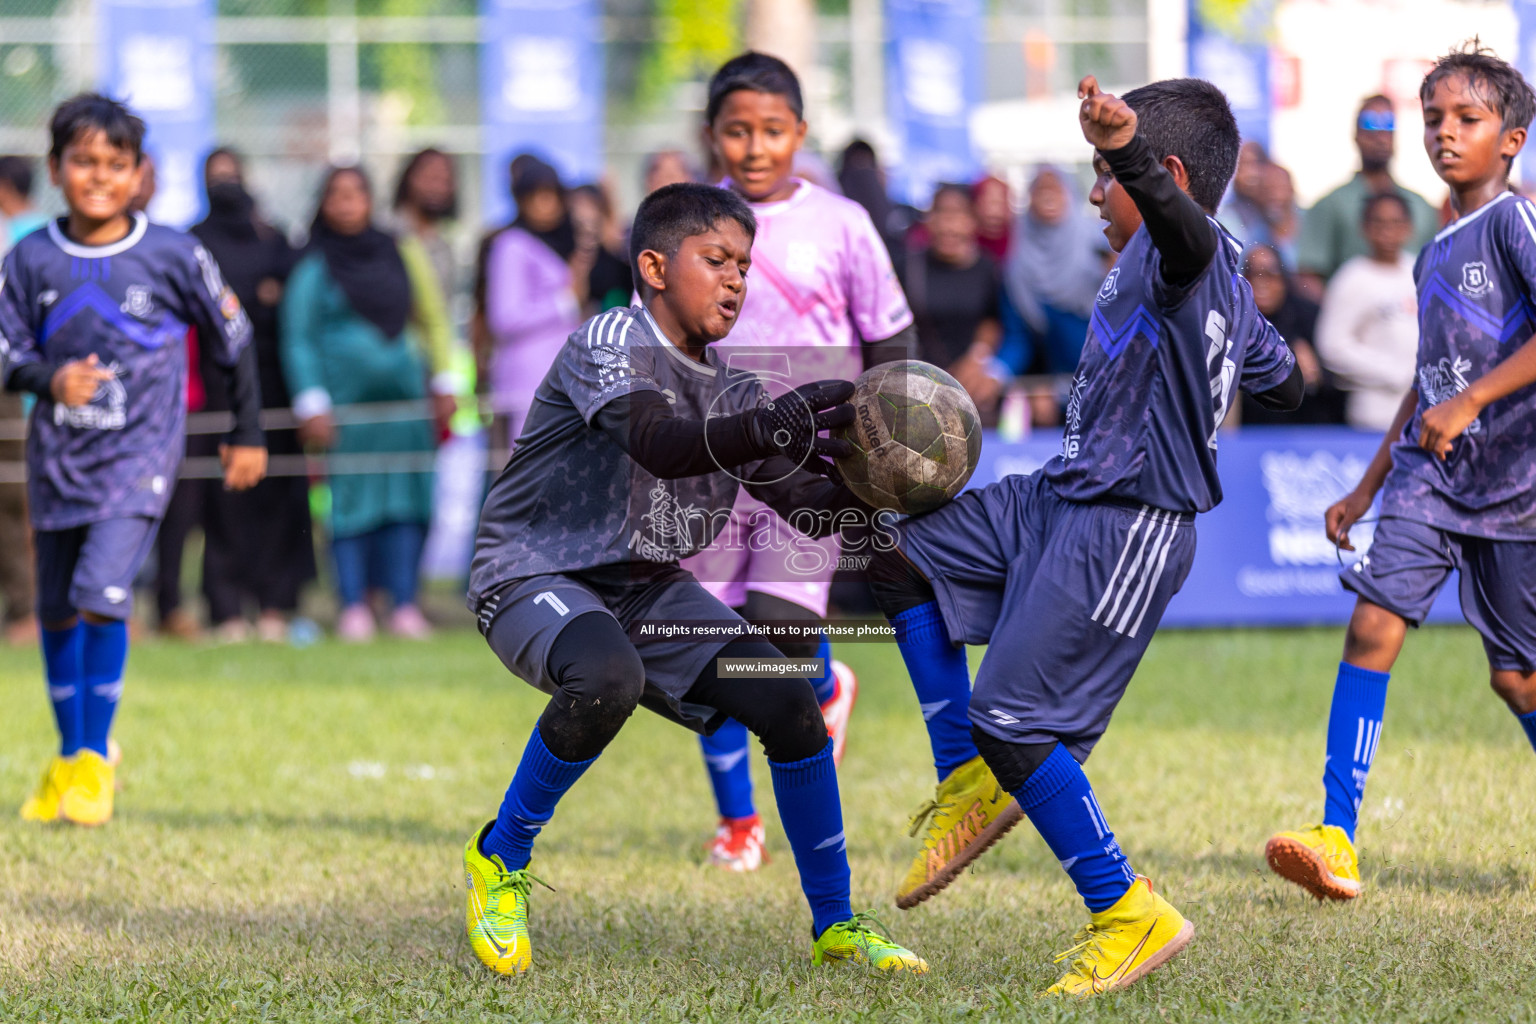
(917, 435)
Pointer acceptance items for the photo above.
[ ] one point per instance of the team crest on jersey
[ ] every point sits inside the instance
(229, 306)
(138, 302)
(1110, 288)
(1475, 280)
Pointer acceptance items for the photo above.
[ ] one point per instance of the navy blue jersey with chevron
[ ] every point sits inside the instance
(1155, 380)
(1477, 305)
(130, 304)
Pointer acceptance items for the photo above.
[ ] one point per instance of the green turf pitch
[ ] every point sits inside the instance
(287, 848)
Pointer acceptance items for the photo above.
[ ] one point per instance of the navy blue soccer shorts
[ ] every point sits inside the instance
(529, 615)
(1408, 563)
(91, 568)
(1065, 595)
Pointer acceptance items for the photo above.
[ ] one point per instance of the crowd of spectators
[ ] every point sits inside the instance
(378, 310)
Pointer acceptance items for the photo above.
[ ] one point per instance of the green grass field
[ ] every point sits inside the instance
(288, 839)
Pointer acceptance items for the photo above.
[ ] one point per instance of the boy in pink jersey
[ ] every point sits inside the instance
(825, 304)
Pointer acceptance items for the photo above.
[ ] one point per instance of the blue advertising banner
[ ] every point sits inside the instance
(157, 56)
(541, 92)
(1525, 60)
(1261, 558)
(1229, 45)
(933, 82)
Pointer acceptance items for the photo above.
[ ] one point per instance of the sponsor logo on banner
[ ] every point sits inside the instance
(1300, 487)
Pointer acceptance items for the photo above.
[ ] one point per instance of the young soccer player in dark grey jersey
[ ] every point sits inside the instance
(1458, 463)
(94, 315)
(630, 459)
(1065, 573)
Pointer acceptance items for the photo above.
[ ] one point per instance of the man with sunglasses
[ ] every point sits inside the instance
(1331, 232)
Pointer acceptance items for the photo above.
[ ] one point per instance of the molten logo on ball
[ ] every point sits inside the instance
(918, 437)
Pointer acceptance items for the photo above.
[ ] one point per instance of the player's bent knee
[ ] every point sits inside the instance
(1515, 688)
(1374, 638)
(896, 583)
(599, 679)
(1011, 763)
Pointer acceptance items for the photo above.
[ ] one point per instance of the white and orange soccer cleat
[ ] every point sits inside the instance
(738, 844)
(839, 707)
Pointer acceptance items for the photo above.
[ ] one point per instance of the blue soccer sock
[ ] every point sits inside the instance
(812, 814)
(62, 650)
(1528, 723)
(942, 680)
(826, 686)
(725, 757)
(1354, 732)
(1061, 805)
(104, 653)
(541, 780)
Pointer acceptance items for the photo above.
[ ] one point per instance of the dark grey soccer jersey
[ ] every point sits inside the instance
(130, 304)
(1155, 380)
(1477, 306)
(570, 498)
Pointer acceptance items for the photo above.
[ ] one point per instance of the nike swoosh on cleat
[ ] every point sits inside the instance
(485, 932)
(1099, 979)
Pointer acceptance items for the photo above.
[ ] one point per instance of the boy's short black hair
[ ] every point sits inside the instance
(1190, 118)
(1385, 197)
(93, 112)
(1491, 80)
(755, 72)
(16, 171)
(675, 212)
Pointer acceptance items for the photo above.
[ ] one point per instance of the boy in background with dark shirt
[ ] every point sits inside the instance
(94, 313)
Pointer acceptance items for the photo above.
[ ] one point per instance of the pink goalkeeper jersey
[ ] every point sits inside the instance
(821, 284)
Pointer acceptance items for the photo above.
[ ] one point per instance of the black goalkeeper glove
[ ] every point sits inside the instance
(791, 425)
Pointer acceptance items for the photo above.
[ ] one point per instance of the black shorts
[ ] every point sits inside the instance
(542, 606)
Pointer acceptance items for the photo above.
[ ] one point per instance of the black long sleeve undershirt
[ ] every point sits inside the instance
(1285, 396)
(34, 377)
(901, 345)
(243, 381)
(1180, 230)
(669, 447)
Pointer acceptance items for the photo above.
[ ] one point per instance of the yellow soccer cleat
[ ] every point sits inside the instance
(88, 798)
(854, 942)
(968, 813)
(496, 917)
(1319, 858)
(43, 804)
(1123, 944)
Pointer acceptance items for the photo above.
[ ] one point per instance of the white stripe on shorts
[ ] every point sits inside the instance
(1134, 569)
(1120, 562)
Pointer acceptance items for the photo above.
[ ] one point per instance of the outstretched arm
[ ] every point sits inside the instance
(1180, 230)
(669, 446)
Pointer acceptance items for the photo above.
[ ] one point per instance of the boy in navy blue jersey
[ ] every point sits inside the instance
(1065, 573)
(1458, 463)
(94, 313)
(631, 459)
